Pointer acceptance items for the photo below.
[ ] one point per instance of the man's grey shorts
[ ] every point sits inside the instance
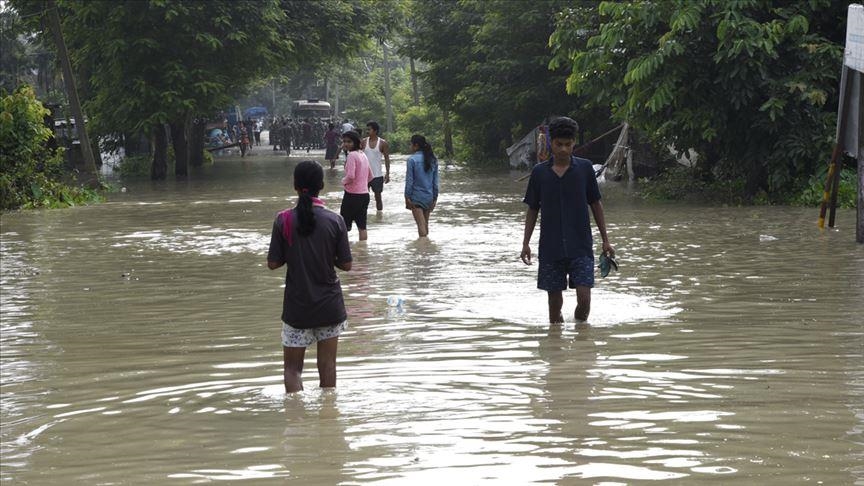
(302, 338)
(377, 184)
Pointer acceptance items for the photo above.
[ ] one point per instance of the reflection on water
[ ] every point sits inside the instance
(140, 344)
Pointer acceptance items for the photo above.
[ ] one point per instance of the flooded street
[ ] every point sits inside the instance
(140, 344)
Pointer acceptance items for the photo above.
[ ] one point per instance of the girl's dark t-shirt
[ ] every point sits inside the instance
(313, 293)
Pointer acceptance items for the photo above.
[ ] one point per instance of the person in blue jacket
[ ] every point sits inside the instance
(421, 183)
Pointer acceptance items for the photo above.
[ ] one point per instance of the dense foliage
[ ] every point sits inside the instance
(751, 85)
(30, 171)
(488, 64)
(150, 63)
(14, 55)
(748, 85)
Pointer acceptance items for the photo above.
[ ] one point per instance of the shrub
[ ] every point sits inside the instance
(30, 172)
(847, 193)
(424, 120)
(680, 183)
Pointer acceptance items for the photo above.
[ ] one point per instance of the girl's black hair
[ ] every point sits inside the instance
(308, 181)
(355, 137)
(428, 155)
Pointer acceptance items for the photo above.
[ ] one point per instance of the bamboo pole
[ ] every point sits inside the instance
(829, 183)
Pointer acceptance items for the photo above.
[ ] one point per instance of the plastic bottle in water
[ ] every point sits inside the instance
(395, 301)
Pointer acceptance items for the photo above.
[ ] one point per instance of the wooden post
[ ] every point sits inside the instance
(835, 189)
(53, 18)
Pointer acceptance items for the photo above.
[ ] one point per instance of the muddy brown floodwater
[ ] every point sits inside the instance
(140, 344)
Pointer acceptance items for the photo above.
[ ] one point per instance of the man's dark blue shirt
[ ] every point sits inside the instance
(565, 226)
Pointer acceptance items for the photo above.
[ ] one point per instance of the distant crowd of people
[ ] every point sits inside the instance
(243, 134)
(287, 133)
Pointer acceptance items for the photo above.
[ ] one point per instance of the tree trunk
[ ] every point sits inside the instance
(97, 153)
(273, 97)
(196, 141)
(159, 169)
(181, 148)
(336, 103)
(448, 134)
(415, 90)
(757, 178)
(387, 94)
(706, 162)
(92, 177)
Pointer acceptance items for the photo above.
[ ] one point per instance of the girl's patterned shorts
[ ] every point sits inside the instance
(302, 338)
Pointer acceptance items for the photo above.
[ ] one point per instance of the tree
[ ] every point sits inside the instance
(177, 63)
(750, 85)
(14, 47)
(169, 62)
(440, 37)
(488, 64)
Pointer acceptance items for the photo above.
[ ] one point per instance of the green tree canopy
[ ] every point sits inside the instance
(750, 84)
(159, 60)
(151, 62)
(488, 62)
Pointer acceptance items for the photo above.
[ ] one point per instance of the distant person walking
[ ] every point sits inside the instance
(421, 183)
(331, 145)
(347, 126)
(563, 188)
(285, 134)
(376, 150)
(355, 202)
(311, 240)
(306, 128)
(244, 140)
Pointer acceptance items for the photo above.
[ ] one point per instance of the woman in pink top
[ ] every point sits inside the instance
(358, 174)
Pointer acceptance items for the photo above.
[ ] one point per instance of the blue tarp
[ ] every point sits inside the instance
(255, 112)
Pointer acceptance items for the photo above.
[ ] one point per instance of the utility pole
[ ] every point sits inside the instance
(53, 18)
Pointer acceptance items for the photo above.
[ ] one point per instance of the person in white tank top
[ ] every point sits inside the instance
(376, 150)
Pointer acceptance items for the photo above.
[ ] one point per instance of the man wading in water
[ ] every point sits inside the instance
(563, 188)
(376, 149)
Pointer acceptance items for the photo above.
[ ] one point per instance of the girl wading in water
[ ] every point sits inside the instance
(358, 174)
(312, 241)
(421, 183)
